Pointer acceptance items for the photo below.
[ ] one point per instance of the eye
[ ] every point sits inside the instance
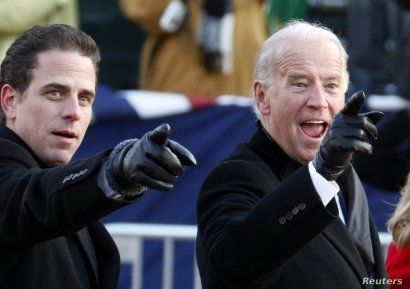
(83, 98)
(332, 86)
(300, 84)
(54, 94)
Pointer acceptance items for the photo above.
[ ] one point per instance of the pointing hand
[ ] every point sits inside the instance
(154, 161)
(349, 132)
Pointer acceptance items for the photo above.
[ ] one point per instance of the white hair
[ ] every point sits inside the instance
(278, 43)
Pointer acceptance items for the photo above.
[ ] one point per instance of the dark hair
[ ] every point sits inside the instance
(21, 57)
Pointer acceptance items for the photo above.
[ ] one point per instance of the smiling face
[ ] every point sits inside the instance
(308, 89)
(53, 113)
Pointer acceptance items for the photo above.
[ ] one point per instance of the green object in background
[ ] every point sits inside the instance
(281, 11)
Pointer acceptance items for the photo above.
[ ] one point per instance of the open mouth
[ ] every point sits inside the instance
(65, 134)
(314, 128)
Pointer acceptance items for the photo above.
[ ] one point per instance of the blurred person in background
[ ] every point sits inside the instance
(379, 45)
(398, 253)
(286, 209)
(198, 47)
(49, 206)
(388, 167)
(369, 42)
(18, 15)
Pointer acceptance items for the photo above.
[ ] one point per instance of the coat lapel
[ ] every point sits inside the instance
(358, 211)
(355, 243)
(337, 235)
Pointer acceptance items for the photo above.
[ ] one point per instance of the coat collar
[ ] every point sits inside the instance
(274, 156)
(8, 134)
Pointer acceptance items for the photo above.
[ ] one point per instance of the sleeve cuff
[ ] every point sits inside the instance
(326, 190)
(107, 183)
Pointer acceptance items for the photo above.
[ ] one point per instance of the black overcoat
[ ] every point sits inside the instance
(261, 224)
(50, 236)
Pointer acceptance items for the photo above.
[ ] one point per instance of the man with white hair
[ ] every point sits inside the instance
(286, 209)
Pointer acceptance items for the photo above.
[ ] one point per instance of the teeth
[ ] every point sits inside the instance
(315, 121)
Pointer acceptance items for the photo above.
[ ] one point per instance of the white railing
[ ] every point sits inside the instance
(129, 238)
(385, 239)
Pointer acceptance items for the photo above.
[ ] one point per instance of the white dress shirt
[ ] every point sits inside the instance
(326, 190)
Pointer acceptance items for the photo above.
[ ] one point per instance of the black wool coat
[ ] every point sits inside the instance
(261, 224)
(50, 236)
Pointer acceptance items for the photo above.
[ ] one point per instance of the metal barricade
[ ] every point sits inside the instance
(129, 238)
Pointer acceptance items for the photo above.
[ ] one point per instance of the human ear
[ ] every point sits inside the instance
(8, 97)
(261, 98)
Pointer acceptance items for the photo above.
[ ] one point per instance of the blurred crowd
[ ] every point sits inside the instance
(207, 47)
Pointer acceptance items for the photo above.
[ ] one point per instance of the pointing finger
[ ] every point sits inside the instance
(354, 103)
(374, 116)
(160, 134)
(184, 155)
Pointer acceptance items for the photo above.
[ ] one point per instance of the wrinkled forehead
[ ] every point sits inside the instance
(320, 55)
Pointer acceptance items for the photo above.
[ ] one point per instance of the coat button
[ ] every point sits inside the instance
(282, 220)
(301, 206)
(289, 215)
(295, 210)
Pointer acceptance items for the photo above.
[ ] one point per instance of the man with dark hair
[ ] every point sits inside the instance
(21, 57)
(286, 210)
(49, 206)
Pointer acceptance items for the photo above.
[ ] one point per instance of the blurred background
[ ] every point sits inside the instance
(157, 66)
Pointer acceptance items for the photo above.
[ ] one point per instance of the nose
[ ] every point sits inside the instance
(71, 109)
(317, 98)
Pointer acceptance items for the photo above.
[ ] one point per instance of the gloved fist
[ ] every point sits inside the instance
(349, 132)
(153, 161)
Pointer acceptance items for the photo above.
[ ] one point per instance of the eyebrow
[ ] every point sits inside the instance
(65, 87)
(297, 75)
(334, 78)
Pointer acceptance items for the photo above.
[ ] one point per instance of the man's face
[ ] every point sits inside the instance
(53, 113)
(308, 89)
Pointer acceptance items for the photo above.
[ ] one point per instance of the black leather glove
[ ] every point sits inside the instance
(349, 132)
(153, 161)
